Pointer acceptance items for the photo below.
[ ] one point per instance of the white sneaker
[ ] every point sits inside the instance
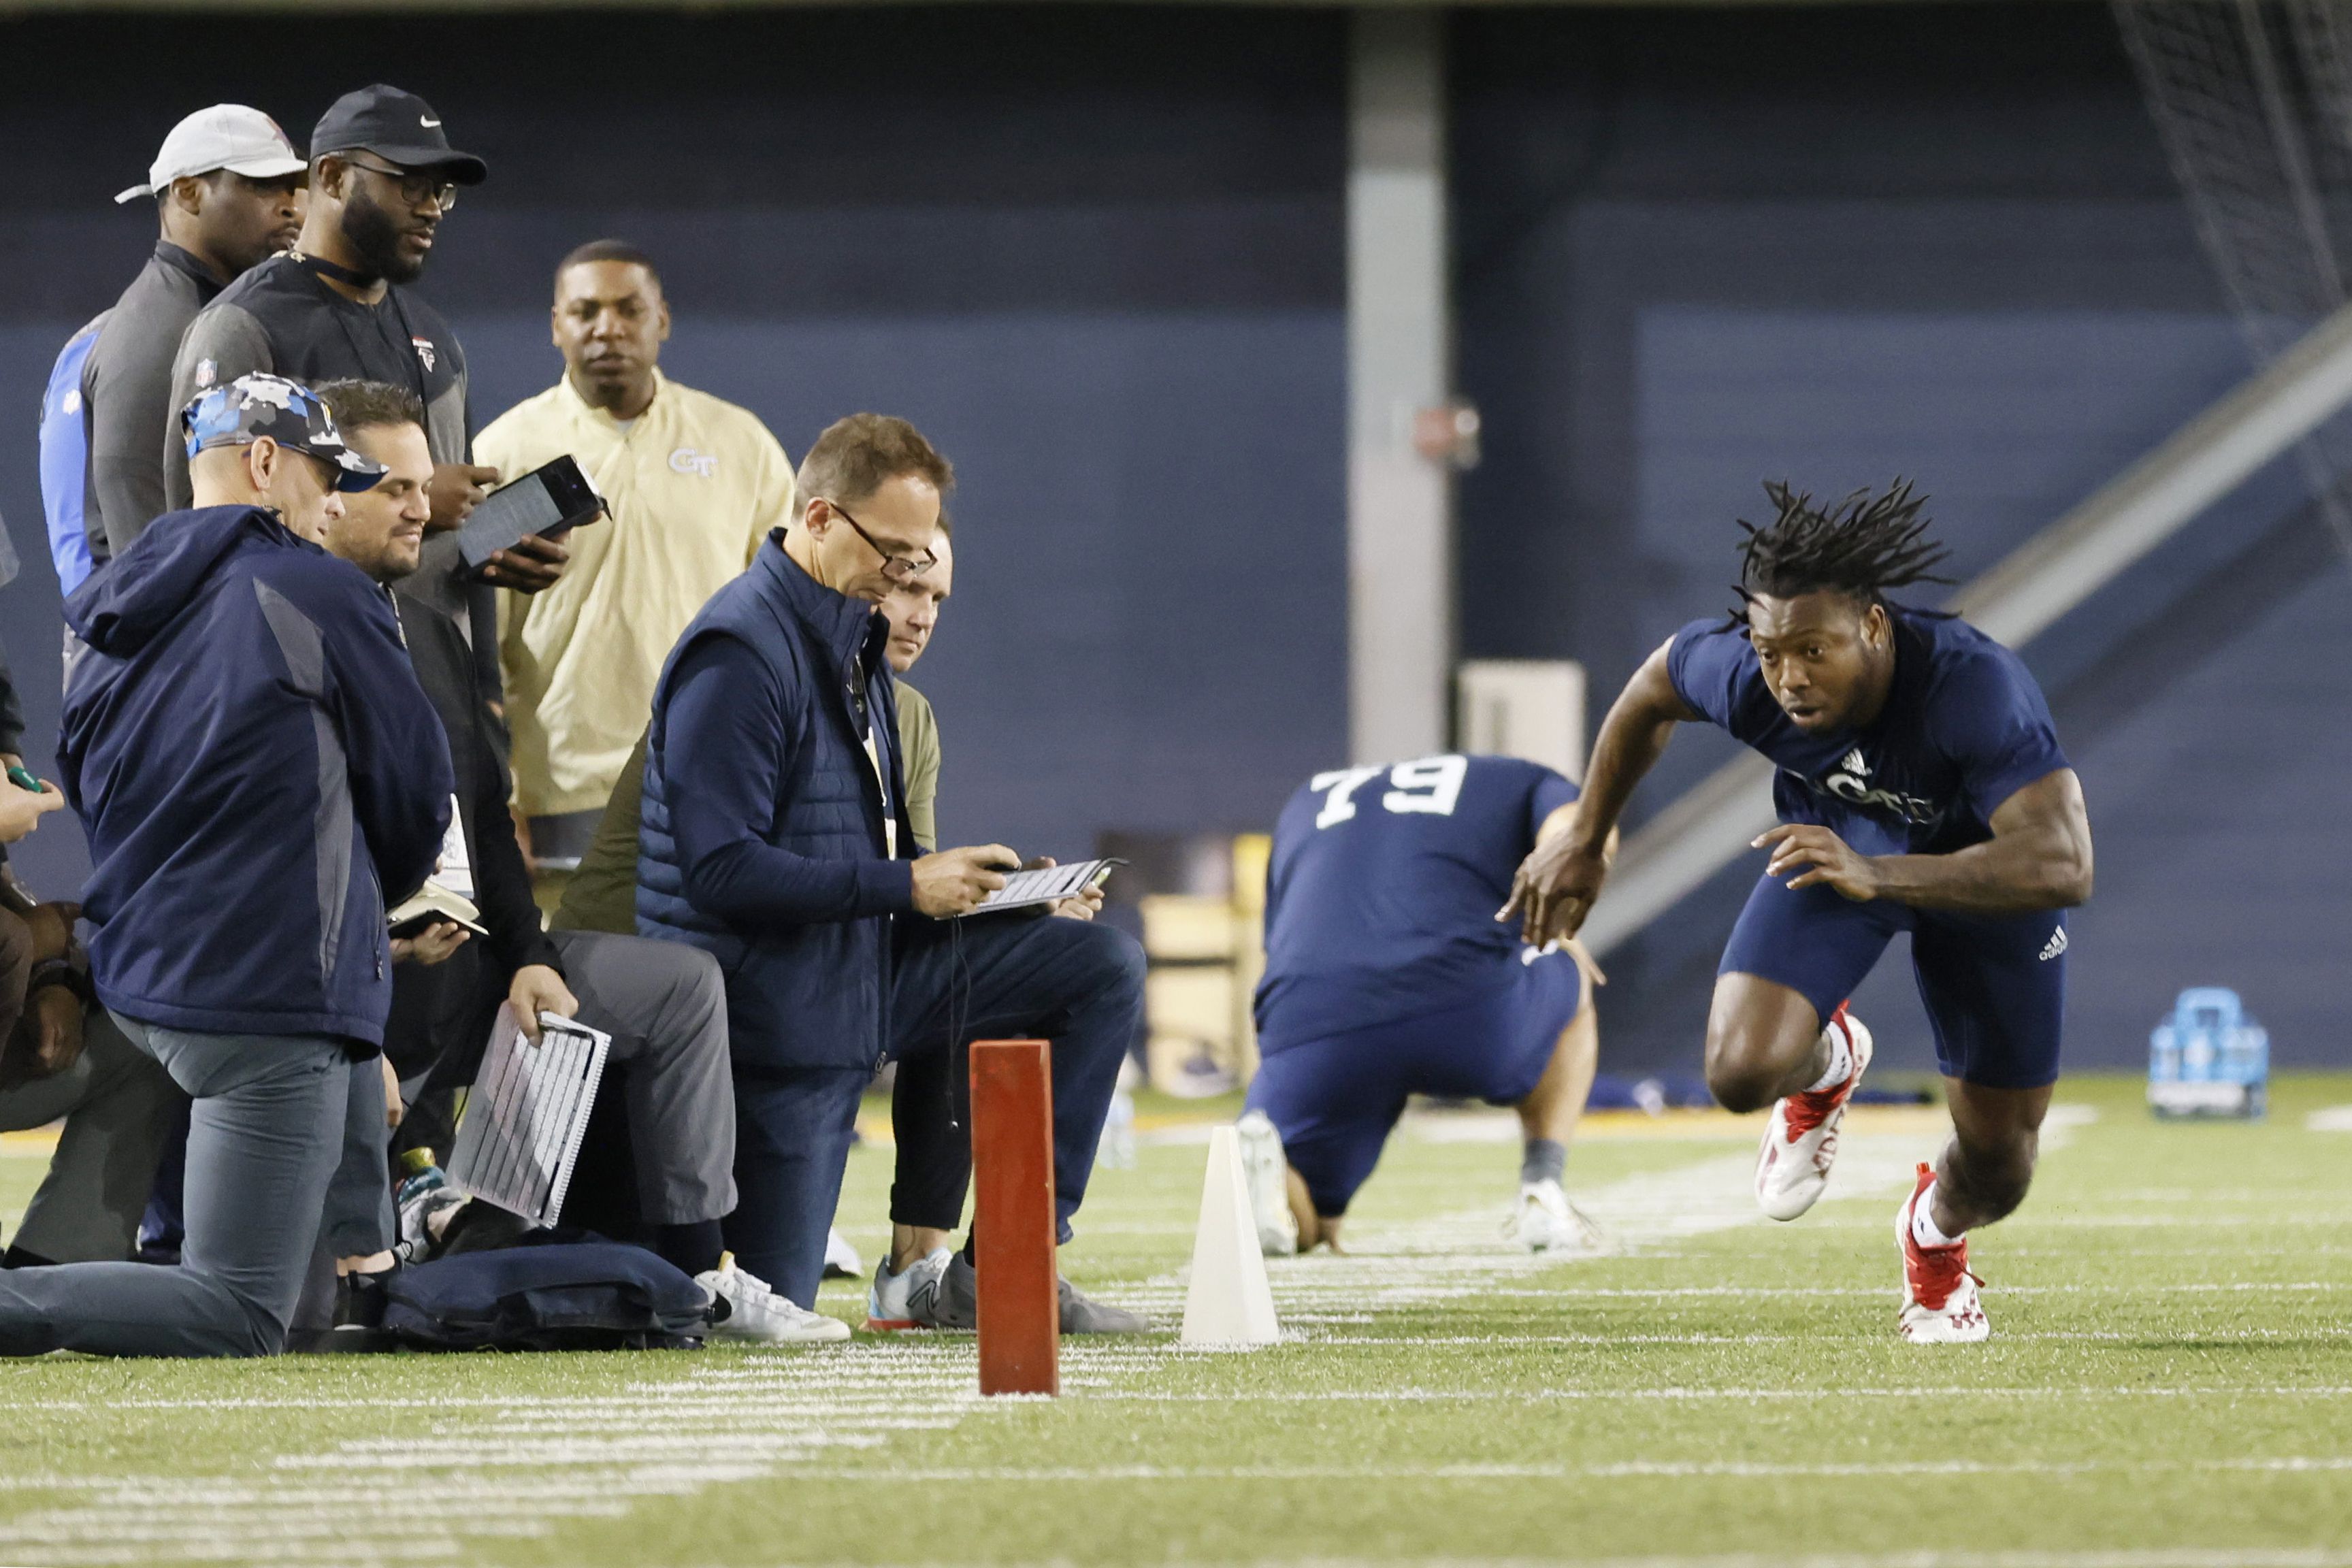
(757, 1315)
(841, 1259)
(1940, 1304)
(1268, 1175)
(1792, 1167)
(891, 1304)
(1545, 1221)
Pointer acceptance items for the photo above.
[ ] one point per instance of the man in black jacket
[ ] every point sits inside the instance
(339, 306)
(664, 1004)
(227, 191)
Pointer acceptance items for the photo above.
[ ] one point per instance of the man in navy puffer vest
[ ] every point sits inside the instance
(258, 772)
(775, 837)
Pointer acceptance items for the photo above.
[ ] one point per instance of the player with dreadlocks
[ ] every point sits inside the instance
(1921, 789)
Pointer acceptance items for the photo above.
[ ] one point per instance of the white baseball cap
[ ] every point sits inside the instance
(225, 136)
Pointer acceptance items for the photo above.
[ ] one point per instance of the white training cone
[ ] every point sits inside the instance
(1229, 1302)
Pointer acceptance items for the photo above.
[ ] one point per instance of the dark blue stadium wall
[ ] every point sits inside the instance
(1097, 253)
(1698, 250)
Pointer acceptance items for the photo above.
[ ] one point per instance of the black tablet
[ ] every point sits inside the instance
(549, 501)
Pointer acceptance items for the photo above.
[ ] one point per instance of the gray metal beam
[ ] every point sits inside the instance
(2043, 578)
(1400, 361)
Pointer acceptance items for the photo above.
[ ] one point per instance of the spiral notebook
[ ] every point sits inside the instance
(527, 1113)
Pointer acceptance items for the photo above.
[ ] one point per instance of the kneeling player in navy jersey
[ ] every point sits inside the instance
(1386, 976)
(1921, 789)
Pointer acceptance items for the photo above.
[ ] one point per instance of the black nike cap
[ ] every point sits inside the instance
(398, 127)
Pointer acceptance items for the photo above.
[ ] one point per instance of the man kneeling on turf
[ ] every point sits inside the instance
(257, 771)
(1387, 975)
(775, 835)
(662, 1004)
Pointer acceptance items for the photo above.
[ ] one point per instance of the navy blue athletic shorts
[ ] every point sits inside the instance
(1994, 986)
(1334, 1096)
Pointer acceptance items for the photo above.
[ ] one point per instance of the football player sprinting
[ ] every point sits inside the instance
(1921, 789)
(1387, 976)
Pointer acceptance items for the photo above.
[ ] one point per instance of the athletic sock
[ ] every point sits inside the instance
(1841, 1063)
(1544, 1161)
(1923, 1221)
(692, 1248)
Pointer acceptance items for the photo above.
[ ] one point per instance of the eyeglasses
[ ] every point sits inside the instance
(414, 189)
(898, 569)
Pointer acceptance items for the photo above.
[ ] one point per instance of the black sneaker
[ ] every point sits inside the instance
(359, 1301)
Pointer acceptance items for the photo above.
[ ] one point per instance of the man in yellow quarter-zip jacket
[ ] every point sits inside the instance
(694, 483)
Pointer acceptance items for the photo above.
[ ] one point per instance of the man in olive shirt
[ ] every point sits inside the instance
(693, 484)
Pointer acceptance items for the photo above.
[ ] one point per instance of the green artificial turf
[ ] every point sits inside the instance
(2170, 1382)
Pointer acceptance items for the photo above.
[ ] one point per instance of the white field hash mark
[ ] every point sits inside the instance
(507, 1467)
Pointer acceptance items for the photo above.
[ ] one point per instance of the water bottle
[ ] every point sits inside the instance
(421, 1175)
(423, 1202)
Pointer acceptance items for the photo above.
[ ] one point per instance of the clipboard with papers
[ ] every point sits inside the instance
(527, 1113)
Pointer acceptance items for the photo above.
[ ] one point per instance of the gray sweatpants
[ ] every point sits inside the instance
(117, 1103)
(664, 1005)
(262, 1137)
(358, 1221)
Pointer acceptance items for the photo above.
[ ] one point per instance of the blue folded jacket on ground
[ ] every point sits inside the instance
(586, 1294)
(258, 771)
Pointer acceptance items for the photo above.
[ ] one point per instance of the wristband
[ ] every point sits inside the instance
(62, 971)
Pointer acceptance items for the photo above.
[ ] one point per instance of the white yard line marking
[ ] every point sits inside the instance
(474, 1467)
(1631, 1469)
(2171, 1557)
(2174, 1557)
(2330, 1119)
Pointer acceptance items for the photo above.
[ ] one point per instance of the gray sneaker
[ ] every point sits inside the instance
(948, 1298)
(1081, 1315)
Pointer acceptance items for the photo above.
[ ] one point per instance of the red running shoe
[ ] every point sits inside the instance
(1940, 1305)
(1792, 1168)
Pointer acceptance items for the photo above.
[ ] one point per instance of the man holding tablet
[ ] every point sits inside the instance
(776, 836)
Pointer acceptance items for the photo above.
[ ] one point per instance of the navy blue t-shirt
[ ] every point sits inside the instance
(1381, 893)
(1964, 728)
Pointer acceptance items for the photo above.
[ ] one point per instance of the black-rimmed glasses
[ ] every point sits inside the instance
(414, 189)
(899, 569)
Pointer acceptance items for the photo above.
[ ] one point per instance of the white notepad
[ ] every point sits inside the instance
(1048, 885)
(527, 1113)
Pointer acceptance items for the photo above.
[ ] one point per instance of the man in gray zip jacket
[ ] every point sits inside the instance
(226, 186)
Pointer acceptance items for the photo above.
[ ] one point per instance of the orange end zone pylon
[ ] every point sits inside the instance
(1012, 1216)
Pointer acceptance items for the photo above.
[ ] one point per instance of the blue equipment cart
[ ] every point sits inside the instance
(2208, 1058)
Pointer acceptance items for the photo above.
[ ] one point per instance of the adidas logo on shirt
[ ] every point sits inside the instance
(2055, 945)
